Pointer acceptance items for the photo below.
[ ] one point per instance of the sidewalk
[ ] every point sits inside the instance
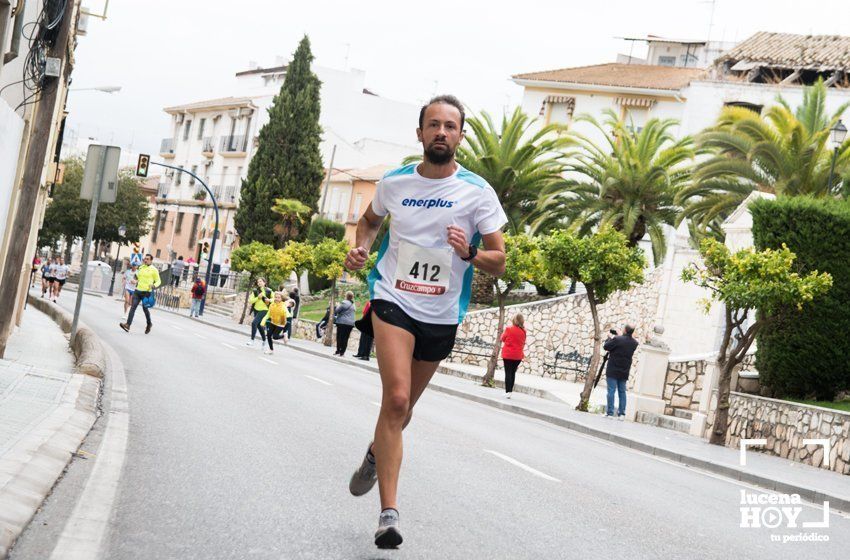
(769, 472)
(45, 412)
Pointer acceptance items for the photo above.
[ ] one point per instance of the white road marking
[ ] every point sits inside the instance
(267, 360)
(226, 345)
(200, 336)
(84, 532)
(316, 379)
(523, 466)
(176, 327)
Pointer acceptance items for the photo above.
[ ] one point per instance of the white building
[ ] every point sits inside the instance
(750, 74)
(217, 138)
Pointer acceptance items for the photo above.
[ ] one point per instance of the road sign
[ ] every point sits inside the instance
(135, 259)
(142, 166)
(101, 172)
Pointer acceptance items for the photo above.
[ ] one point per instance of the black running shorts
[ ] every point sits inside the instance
(433, 342)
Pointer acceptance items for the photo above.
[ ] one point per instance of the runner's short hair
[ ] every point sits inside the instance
(148, 255)
(448, 100)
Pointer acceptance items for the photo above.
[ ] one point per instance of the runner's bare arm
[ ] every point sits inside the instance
(367, 230)
(490, 259)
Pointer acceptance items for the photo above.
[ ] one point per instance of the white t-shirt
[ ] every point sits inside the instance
(61, 272)
(130, 279)
(417, 268)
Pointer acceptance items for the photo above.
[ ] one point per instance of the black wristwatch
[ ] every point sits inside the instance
(473, 250)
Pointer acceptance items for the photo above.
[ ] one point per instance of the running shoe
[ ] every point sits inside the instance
(388, 534)
(148, 328)
(364, 478)
(124, 326)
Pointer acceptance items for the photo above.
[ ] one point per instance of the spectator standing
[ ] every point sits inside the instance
(198, 291)
(513, 347)
(344, 321)
(177, 268)
(620, 351)
(223, 273)
(320, 326)
(295, 295)
(364, 350)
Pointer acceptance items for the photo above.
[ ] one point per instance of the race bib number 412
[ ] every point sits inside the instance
(423, 271)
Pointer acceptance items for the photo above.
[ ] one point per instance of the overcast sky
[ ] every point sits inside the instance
(168, 52)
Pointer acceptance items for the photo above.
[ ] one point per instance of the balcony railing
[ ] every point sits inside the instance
(162, 190)
(230, 144)
(209, 145)
(216, 191)
(334, 216)
(230, 193)
(167, 146)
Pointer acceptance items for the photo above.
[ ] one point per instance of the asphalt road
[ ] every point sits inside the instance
(234, 454)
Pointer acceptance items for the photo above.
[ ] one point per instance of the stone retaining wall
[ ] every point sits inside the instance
(785, 425)
(683, 388)
(563, 324)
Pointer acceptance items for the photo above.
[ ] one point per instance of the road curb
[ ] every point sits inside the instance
(88, 350)
(37, 461)
(747, 477)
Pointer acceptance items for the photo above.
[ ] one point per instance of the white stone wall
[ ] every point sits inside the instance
(785, 425)
(564, 324)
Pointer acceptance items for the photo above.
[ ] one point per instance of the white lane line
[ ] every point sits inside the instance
(523, 466)
(376, 404)
(267, 360)
(316, 379)
(226, 345)
(175, 327)
(85, 530)
(199, 336)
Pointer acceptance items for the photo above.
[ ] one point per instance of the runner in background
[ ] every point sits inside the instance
(128, 282)
(60, 274)
(46, 278)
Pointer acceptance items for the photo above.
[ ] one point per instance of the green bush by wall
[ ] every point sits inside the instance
(807, 354)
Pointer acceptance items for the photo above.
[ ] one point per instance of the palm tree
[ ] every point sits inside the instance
(629, 183)
(294, 214)
(783, 152)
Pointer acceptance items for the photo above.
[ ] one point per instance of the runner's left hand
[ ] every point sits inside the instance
(457, 240)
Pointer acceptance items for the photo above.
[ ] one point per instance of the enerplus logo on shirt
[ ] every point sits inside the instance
(428, 202)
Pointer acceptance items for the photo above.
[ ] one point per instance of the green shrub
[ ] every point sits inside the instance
(321, 228)
(808, 354)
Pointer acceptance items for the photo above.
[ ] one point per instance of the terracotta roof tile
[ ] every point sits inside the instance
(816, 52)
(228, 102)
(620, 75)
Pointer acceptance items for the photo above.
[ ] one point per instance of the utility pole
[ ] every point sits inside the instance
(327, 183)
(31, 182)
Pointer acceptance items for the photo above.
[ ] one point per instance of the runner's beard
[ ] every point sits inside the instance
(439, 157)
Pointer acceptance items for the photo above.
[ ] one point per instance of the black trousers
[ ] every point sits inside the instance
(365, 348)
(510, 374)
(138, 296)
(342, 334)
(273, 332)
(257, 324)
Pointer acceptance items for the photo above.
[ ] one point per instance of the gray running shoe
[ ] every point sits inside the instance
(388, 534)
(364, 478)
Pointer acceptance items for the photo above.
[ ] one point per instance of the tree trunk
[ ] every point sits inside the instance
(584, 400)
(482, 287)
(497, 345)
(721, 414)
(69, 241)
(247, 295)
(573, 285)
(328, 340)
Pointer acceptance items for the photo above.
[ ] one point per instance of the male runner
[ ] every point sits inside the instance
(60, 274)
(421, 284)
(147, 279)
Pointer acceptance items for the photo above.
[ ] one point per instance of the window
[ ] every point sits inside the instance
(224, 171)
(238, 175)
(194, 232)
(667, 61)
(636, 117)
(751, 106)
(201, 129)
(191, 178)
(158, 252)
(155, 229)
(355, 210)
(187, 126)
(179, 177)
(179, 224)
(163, 219)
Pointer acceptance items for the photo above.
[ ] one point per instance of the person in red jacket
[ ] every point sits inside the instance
(513, 342)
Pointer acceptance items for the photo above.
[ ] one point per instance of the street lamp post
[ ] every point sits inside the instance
(839, 133)
(122, 231)
(215, 232)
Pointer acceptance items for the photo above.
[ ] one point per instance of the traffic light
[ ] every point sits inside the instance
(142, 167)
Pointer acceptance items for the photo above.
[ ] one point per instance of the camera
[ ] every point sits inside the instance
(613, 332)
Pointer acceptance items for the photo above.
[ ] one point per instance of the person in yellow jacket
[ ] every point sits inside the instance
(147, 280)
(275, 321)
(259, 298)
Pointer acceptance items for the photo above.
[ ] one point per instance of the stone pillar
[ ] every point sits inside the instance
(648, 394)
(709, 386)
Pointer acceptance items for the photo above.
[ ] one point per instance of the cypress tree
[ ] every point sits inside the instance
(288, 163)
